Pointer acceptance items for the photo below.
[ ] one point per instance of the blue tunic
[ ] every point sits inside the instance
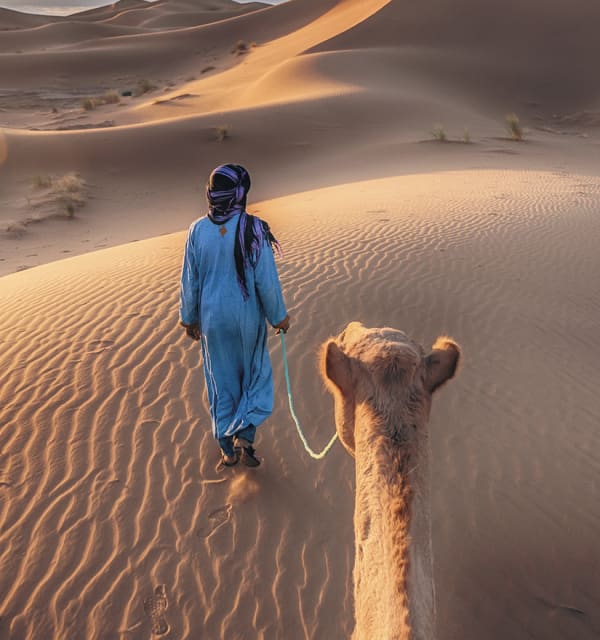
(237, 367)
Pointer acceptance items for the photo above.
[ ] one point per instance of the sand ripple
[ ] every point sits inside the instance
(114, 521)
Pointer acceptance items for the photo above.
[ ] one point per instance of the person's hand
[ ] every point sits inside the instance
(284, 325)
(192, 330)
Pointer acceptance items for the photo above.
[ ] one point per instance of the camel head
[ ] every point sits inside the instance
(386, 373)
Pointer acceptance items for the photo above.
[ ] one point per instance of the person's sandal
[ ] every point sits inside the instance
(248, 457)
(228, 461)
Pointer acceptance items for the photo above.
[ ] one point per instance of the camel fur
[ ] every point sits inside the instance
(382, 383)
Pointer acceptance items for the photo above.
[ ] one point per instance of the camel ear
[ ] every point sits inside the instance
(336, 367)
(441, 363)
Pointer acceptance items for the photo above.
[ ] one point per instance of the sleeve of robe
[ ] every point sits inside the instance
(189, 290)
(268, 287)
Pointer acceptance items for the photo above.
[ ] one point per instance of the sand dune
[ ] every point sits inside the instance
(16, 20)
(61, 34)
(183, 13)
(113, 520)
(537, 51)
(108, 465)
(113, 9)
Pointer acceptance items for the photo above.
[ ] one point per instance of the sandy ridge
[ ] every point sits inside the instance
(114, 480)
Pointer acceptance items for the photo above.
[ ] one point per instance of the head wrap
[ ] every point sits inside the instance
(226, 193)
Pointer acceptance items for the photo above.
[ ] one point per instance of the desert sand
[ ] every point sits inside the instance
(114, 522)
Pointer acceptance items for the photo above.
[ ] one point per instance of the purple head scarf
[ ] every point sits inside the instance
(226, 193)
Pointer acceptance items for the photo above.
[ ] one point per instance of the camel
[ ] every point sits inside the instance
(382, 383)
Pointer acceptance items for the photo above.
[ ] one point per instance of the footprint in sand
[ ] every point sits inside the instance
(216, 518)
(155, 607)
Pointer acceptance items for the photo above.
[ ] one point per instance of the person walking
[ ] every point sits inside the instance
(229, 290)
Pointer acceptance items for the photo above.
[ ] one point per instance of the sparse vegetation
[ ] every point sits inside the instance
(439, 133)
(51, 197)
(42, 181)
(62, 196)
(514, 126)
(467, 137)
(144, 86)
(240, 48)
(89, 103)
(13, 226)
(110, 97)
(222, 132)
(210, 67)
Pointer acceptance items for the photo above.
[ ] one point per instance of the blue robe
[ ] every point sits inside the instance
(237, 367)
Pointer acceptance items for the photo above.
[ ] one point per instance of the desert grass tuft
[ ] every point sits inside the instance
(144, 86)
(439, 133)
(89, 104)
(222, 132)
(69, 193)
(110, 97)
(42, 181)
(240, 48)
(61, 196)
(514, 126)
(16, 227)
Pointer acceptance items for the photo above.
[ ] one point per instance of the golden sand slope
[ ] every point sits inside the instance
(335, 91)
(114, 521)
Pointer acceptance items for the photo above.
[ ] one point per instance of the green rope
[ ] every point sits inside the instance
(311, 453)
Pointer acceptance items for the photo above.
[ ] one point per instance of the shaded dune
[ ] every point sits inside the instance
(174, 14)
(108, 490)
(166, 52)
(112, 9)
(61, 34)
(497, 54)
(541, 52)
(10, 19)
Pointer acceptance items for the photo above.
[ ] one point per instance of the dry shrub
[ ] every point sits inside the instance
(144, 86)
(222, 132)
(54, 197)
(514, 126)
(69, 193)
(240, 48)
(111, 97)
(439, 133)
(58, 196)
(13, 226)
(69, 183)
(42, 181)
(89, 104)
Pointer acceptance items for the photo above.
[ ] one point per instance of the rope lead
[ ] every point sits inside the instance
(311, 453)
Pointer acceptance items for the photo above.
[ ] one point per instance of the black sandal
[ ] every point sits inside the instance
(248, 457)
